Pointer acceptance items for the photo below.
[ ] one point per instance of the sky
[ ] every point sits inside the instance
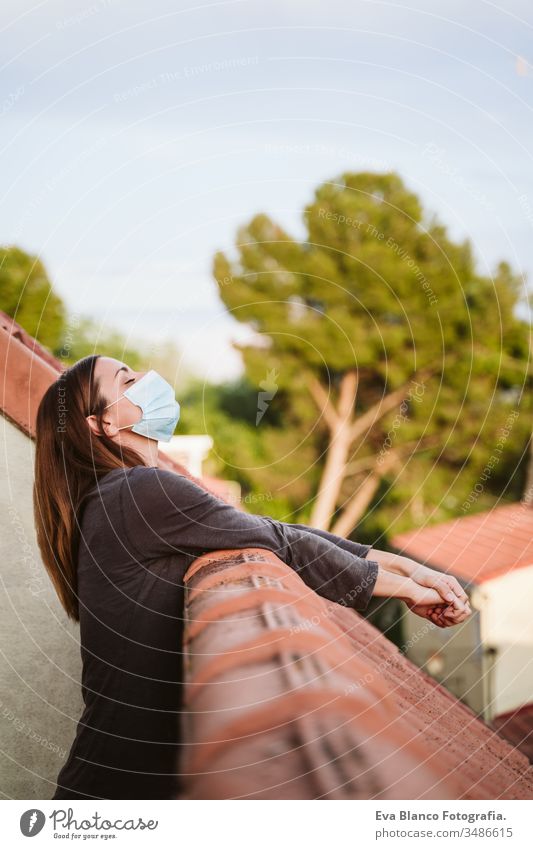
(137, 137)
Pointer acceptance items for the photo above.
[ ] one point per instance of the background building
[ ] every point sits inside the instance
(488, 660)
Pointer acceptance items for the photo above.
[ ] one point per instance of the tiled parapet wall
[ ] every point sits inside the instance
(291, 696)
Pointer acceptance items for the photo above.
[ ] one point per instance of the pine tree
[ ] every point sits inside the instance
(388, 346)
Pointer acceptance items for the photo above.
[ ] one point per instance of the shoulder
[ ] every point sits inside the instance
(147, 474)
(154, 485)
(151, 477)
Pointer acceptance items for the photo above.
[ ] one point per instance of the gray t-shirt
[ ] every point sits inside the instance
(140, 530)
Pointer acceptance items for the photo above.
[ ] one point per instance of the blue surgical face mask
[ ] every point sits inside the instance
(160, 410)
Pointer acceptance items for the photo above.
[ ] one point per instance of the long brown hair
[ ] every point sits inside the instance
(69, 461)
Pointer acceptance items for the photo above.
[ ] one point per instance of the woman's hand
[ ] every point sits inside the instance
(447, 586)
(442, 615)
(452, 605)
(425, 601)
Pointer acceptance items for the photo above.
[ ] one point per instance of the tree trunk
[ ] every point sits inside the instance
(337, 454)
(345, 428)
(357, 505)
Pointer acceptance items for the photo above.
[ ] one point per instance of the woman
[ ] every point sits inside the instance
(116, 536)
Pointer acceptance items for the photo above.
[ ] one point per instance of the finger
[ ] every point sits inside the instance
(444, 590)
(437, 618)
(434, 580)
(463, 617)
(450, 590)
(459, 605)
(439, 621)
(457, 618)
(456, 587)
(449, 615)
(465, 611)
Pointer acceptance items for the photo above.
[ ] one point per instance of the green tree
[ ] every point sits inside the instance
(244, 452)
(26, 295)
(398, 359)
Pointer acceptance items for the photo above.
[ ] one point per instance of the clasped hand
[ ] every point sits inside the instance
(431, 594)
(438, 597)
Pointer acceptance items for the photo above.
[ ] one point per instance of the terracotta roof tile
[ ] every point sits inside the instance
(517, 727)
(290, 696)
(477, 547)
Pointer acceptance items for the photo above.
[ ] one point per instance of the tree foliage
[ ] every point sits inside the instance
(397, 362)
(27, 295)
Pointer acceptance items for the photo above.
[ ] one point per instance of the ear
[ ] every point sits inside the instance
(109, 428)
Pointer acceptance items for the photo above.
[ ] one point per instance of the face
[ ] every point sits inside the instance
(115, 377)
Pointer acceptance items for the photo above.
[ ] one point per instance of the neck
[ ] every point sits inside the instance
(146, 448)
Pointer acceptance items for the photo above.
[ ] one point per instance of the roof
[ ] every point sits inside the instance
(291, 696)
(476, 548)
(28, 369)
(517, 727)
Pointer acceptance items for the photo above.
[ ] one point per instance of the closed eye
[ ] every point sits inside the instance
(131, 380)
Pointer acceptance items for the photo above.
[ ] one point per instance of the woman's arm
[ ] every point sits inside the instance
(358, 548)
(393, 562)
(166, 512)
(450, 604)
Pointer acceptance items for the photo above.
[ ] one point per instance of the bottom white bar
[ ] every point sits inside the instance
(269, 824)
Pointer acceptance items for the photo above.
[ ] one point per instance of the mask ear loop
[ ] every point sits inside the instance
(116, 402)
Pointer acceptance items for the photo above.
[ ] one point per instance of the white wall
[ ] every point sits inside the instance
(507, 626)
(489, 682)
(40, 664)
(459, 651)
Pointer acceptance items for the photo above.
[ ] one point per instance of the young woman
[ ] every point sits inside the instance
(117, 533)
